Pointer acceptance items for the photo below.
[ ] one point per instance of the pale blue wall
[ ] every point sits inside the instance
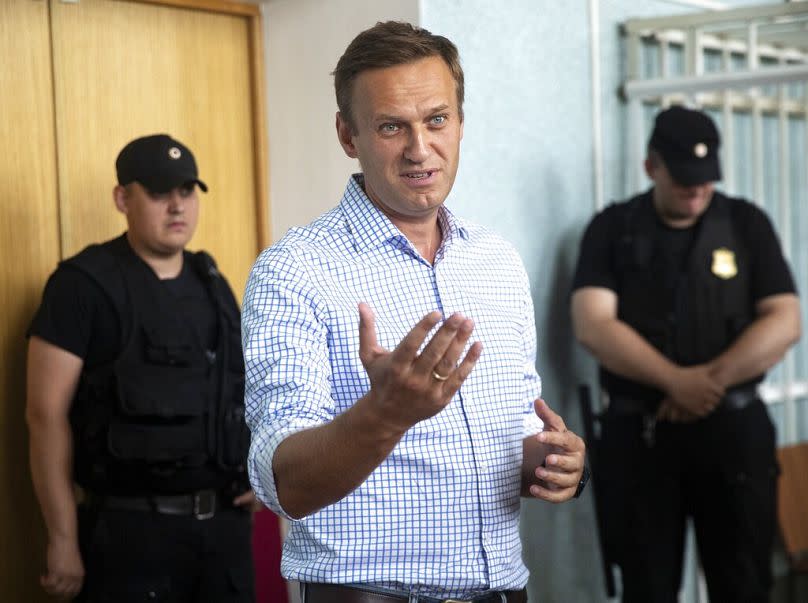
(527, 172)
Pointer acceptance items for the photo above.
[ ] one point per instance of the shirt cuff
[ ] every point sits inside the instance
(259, 466)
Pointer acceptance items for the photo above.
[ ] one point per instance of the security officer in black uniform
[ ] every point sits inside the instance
(135, 393)
(684, 297)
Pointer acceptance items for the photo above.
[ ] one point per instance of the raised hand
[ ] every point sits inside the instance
(407, 387)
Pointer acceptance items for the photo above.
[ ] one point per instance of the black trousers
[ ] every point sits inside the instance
(137, 556)
(721, 472)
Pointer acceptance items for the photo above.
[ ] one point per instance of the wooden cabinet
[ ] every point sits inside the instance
(77, 81)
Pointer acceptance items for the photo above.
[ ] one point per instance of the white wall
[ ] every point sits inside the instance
(303, 40)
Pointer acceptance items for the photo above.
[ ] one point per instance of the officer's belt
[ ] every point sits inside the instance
(735, 399)
(202, 504)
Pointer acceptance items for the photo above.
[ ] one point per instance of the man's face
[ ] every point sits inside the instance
(407, 136)
(678, 205)
(160, 224)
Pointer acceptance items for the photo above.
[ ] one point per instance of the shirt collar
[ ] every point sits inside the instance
(371, 228)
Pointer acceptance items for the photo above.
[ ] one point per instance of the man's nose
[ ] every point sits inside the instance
(176, 202)
(417, 149)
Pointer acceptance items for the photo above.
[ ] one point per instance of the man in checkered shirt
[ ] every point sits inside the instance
(390, 353)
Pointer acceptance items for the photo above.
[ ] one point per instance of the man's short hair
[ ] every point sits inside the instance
(386, 45)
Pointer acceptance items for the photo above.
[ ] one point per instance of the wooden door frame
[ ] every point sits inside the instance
(252, 13)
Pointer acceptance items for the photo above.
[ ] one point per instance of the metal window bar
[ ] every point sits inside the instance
(761, 34)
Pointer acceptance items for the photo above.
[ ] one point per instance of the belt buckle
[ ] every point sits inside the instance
(204, 504)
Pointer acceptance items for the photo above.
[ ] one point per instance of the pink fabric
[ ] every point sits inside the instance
(270, 587)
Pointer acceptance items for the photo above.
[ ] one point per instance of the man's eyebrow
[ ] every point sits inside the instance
(392, 117)
(439, 108)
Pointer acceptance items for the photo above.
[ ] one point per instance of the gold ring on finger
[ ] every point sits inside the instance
(438, 376)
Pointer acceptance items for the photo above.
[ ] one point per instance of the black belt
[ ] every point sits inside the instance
(335, 593)
(735, 399)
(202, 504)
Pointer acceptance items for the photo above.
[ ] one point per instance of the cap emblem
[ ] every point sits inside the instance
(700, 150)
(174, 153)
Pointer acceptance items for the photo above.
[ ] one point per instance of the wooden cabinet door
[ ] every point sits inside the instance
(77, 81)
(127, 69)
(29, 251)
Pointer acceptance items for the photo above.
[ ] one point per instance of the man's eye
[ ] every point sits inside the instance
(388, 128)
(439, 120)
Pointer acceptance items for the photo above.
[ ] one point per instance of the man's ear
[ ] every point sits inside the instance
(345, 136)
(650, 167)
(120, 197)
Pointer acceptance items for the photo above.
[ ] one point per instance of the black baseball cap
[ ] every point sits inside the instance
(158, 162)
(688, 142)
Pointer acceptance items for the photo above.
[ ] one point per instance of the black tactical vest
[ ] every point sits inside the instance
(690, 314)
(167, 403)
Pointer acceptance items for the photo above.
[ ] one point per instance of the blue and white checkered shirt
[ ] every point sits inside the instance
(439, 517)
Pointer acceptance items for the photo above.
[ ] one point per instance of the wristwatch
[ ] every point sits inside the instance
(582, 483)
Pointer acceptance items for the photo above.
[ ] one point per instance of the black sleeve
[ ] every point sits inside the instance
(76, 316)
(596, 257)
(770, 274)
